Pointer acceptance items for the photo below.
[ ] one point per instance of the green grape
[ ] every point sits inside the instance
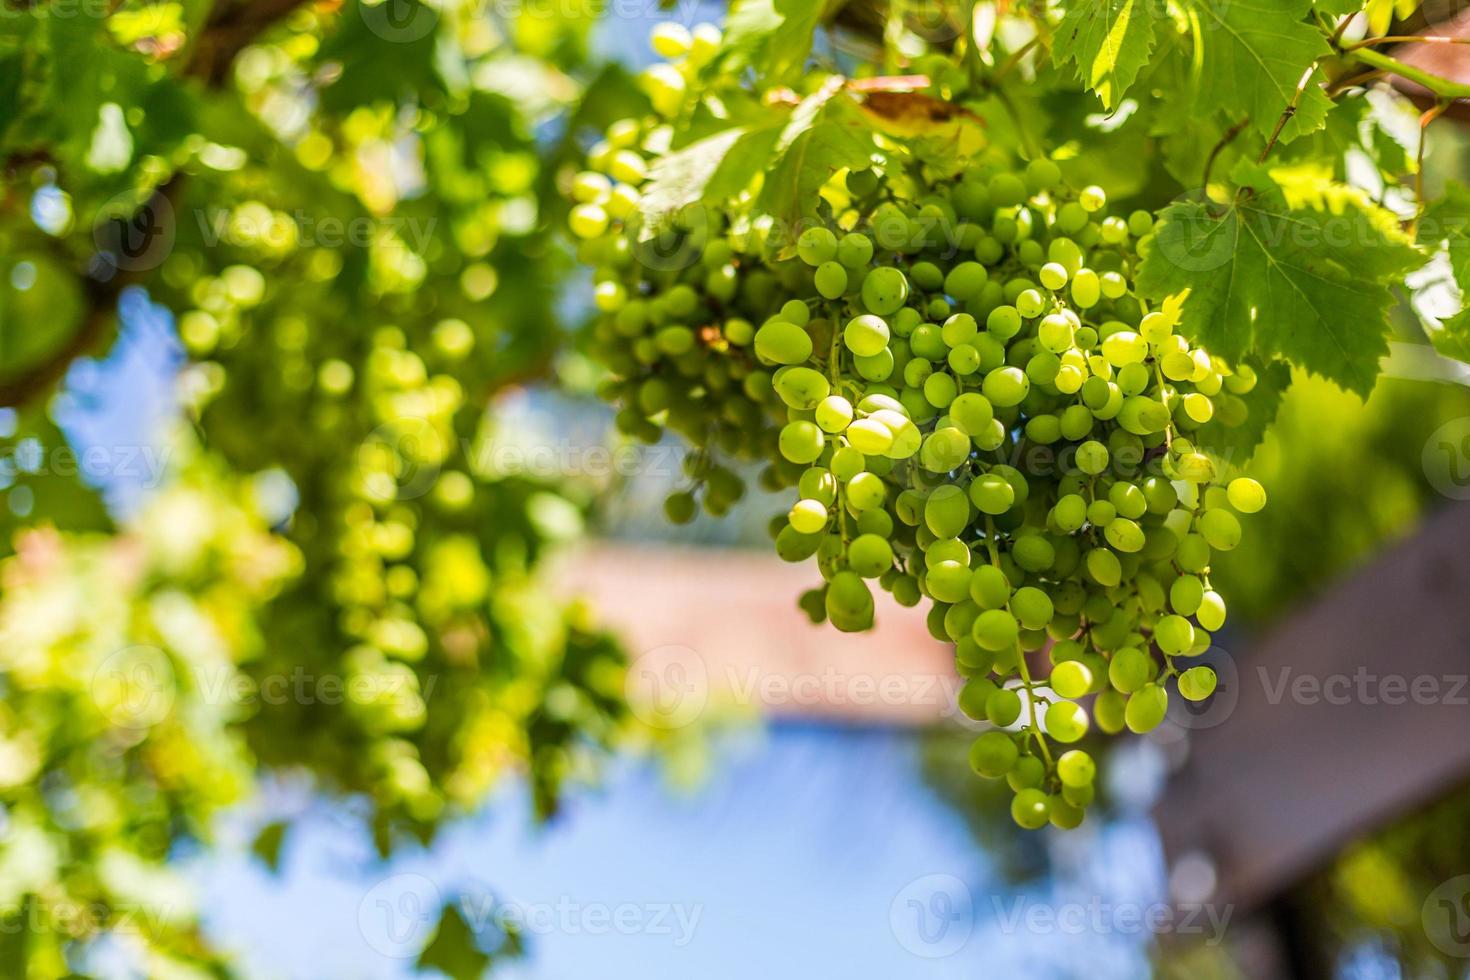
(992, 494)
(1197, 683)
(1031, 809)
(802, 442)
(1211, 612)
(1075, 768)
(1146, 709)
(996, 629)
(866, 491)
(855, 251)
(993, 754)
(870, 555)
(1003, 707)
(1033, 607)
(1220, 529)
(1174, 635)
(781, 342)
(802, 387)
(808, 516)
(849, 603)
(1006, 387)
(884, 290)
(1066, 721)
(1246, 495)
(866, 336)
(816, 246)
(1129, 670)
(679, 507)
(910, 381)
(830, 280)
(1071, 679)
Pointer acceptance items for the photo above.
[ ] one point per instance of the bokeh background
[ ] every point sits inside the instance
(801, 807)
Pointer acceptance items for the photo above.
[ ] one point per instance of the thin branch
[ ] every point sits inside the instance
(1007, 66)
(1291, 110)
(1442, 87)
(1424, 121)
(1405, 39)
(1225, 141)
(230, 29)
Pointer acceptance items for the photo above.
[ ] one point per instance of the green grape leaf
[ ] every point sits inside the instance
(1254, 54)
(712, 169)
(453, 950)
(1298, 268)
(267, 844)
(1109, 41)
(825, 134)
(1446, 225)
(1237, 444)
(776, 35)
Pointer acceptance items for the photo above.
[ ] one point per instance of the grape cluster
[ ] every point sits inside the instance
(975, 408)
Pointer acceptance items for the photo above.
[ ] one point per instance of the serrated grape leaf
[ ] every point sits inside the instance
(1302, 272)
(825, 134)
(267, 844)
(711, 170)
(775, 35)
(1237, 444)
(1254, 54)
(455, 950)
(1109, 41)
(1446, 225)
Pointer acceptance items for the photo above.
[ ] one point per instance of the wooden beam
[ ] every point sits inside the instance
(1354, 712)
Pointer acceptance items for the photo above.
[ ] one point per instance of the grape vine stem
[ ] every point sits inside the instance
(1026, 680)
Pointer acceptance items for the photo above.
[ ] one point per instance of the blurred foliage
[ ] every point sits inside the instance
(1346, 478)
(342, 205)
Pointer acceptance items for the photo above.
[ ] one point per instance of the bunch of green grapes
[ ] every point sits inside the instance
(975, 408)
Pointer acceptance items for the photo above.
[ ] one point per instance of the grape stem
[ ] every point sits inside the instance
(1026, 680)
